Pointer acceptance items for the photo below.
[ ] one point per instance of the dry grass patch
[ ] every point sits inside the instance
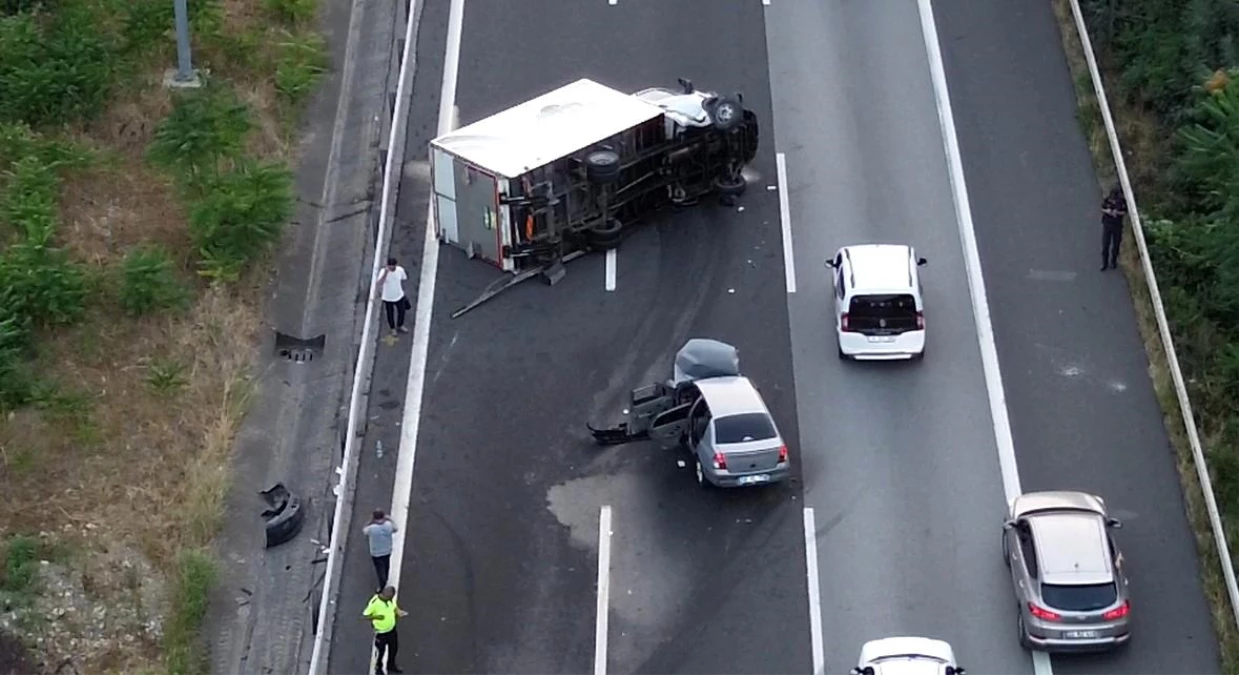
(124, 460)
(1143, 146)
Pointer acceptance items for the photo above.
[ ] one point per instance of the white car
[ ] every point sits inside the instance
(879, 310)
(907, 656)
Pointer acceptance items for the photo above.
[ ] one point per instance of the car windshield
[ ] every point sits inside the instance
(882, 307)
(1081, 598)
(744, 428)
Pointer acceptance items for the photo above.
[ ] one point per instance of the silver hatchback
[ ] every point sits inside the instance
(1067, 572)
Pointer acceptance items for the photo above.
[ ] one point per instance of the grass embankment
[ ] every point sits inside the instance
(1168, 67)
(135, 223)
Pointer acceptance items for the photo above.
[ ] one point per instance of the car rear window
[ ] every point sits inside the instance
(882, 306)
(1083, 598)
(744, 428)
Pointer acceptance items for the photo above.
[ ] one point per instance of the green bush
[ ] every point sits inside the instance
(47, 288)
(16, 381)
(292, 12)
(149, 282)
(28, 202)
(21, 564)
(240, 214)
(149, 25)
(205, 126)
(299, 65)
(56, 69)
(196, 573)
(1208, 168)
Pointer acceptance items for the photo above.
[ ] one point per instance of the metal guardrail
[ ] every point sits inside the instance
(1163, 325)
(358, 398)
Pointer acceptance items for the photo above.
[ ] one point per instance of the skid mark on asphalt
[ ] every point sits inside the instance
(445, 358)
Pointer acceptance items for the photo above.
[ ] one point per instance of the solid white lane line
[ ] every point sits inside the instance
(815, 593)
(785, 219)
(976, 281)
(402, 489)
(610, 281)
(604, 591)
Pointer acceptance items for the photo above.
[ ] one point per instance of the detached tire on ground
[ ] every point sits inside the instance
(605, 236)
(602, 167)
(730, 186)
(285, 516)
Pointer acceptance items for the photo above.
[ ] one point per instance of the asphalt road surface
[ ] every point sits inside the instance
(502, 558)
(898, 461)
(1083, 410)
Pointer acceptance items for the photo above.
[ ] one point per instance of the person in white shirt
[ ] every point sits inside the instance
(391, 290)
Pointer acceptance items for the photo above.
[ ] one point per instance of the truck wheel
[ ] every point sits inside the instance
(726, 113)
(605, 236)
(731, 186)
(602, 166)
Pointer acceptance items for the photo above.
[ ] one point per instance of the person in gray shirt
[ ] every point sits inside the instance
(379, 532)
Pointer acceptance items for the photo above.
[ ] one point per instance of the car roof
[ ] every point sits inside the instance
(907, 645)
(1054, 500)
(880, 266)
(1071, 547)
(732, 395)
(909, 666)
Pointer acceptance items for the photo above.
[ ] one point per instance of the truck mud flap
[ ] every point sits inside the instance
(617, 435)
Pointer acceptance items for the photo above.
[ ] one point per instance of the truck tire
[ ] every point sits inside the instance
(605, 236)
(726, 113)
(602, 167)
(730, 186)
(285, 516)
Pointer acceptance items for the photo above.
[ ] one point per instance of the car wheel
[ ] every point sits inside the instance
(1006, 550)
(1024, 641)
(919, 356)
(702, 481)
(605, 236)
(730, 186)
(842, 356)
(602, 166)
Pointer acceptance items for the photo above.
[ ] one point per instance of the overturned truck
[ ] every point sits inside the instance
(574, 170)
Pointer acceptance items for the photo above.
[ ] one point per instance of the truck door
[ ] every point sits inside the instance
(477, 212)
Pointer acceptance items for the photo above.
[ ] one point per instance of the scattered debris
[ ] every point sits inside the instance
(284, 518)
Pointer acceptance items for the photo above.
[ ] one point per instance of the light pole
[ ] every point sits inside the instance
(184, 74)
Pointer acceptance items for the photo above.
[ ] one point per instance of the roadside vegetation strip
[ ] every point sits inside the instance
(1170, 67)
(135, 228)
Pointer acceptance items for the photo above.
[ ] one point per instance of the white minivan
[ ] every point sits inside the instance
(879, 310)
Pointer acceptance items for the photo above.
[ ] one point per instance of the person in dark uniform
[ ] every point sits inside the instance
(1113, 208)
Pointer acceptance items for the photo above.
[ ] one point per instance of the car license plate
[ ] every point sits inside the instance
(881, 338)
(750, 480)
(1079, 634)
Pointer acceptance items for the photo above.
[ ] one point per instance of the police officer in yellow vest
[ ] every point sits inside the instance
(382, 612)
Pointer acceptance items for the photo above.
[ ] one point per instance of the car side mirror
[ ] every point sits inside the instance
(921, 261)
(1008, 525)
(1115, 523)
(829, 262)
(955, 670)
(867, 670)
